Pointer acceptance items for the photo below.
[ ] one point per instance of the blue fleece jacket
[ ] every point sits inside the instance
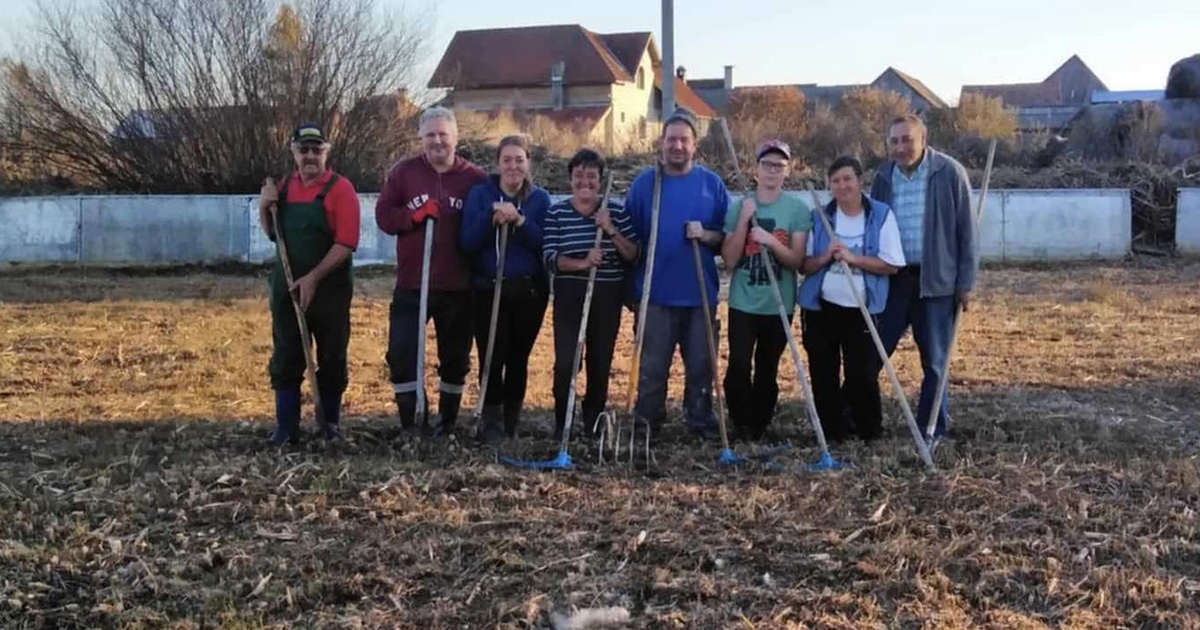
(700, 195)
(478, 237)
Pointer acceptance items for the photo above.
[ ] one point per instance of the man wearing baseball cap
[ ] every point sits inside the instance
(319, 216)
(782, 225)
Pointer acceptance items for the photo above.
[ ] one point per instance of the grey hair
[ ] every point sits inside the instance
(437, 111)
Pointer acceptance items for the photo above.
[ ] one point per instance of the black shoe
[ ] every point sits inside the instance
(332, 432)
(491, 427)
(282, 437)
(512, 417)
(440, 427)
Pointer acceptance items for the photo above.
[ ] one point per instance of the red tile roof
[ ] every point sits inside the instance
(522, 57)
(686, 97)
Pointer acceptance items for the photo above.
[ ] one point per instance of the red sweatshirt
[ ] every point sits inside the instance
(410, 183)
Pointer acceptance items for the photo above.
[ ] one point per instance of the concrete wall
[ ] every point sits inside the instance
(1187, 221)
(1018, 225)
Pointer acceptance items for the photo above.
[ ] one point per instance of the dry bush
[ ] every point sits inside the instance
(192, 95)
(866, 113)
(762, 113)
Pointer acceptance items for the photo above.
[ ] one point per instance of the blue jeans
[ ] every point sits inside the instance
(666, 327)
(931, 320)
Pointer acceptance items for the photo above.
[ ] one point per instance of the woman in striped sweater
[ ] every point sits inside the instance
(569, 233)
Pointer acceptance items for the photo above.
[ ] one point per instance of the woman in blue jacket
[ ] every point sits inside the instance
(868, 240)
(508, 200)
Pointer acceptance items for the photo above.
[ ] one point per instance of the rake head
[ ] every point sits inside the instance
(562, 462)
(729, 458)
(825, 464)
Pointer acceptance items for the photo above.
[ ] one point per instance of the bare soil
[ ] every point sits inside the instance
(135, 490)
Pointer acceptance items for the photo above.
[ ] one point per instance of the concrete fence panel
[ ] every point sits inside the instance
(1066, 224)
(1187, 221)
(163, 228)
(40, 229)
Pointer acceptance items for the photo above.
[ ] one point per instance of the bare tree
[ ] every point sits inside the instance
(200, 95)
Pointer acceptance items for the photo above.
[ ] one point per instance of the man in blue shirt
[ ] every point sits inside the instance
(692, 208)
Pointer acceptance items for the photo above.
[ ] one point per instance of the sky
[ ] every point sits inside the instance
(944, 43)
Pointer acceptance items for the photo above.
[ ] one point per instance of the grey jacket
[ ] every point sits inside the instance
(951, 251)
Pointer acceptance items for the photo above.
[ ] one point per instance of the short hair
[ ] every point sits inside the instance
(437, 111)
(909, 119)
(842, 162)
(513, 141)
(586, 158)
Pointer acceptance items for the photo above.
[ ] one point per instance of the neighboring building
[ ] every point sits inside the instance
(717, 92)
(1127, 96)
(606, 88)
(1053, 102)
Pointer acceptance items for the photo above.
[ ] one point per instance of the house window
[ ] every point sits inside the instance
(641, 79)
(622, 116)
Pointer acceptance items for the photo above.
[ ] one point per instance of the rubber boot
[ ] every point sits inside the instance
(447, 414)
(512, 417)
(287, 416)
(407, 406)
(491, 428)
(331, 406)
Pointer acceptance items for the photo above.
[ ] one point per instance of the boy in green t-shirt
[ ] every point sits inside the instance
(754, 326)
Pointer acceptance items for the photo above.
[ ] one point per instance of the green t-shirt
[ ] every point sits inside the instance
(750, 287)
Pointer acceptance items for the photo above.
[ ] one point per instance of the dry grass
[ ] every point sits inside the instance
(134, 492)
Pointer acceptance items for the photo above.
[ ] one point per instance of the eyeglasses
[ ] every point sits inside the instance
(306, 149)
(772, 167)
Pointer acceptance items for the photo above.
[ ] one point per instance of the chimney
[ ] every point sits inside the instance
(728, 78)
(681, 73)
(557, 98)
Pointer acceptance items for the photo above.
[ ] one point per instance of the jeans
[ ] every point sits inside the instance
(931, 320)
(666, 328)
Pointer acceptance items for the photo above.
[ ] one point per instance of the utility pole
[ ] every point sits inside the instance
(668, 58)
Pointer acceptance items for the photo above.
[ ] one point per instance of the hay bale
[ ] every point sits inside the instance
(1184, 79)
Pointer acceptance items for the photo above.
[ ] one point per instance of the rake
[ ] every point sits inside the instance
(931, 424)
(310, 362)
(563, 460)
(501, 254)
(640, 332)
(727, 457)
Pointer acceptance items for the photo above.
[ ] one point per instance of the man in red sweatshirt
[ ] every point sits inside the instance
(430, 186)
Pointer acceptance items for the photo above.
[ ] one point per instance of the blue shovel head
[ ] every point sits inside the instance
(826, 463)
(562, 462)
(728, 458)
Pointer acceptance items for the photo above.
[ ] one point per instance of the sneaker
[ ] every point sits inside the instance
(332, 432)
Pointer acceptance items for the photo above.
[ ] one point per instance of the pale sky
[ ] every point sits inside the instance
(944, 43)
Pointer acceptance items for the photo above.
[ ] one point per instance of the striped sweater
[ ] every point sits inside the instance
(568, 233)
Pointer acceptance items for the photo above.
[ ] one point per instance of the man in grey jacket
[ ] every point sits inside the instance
(931, 195)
